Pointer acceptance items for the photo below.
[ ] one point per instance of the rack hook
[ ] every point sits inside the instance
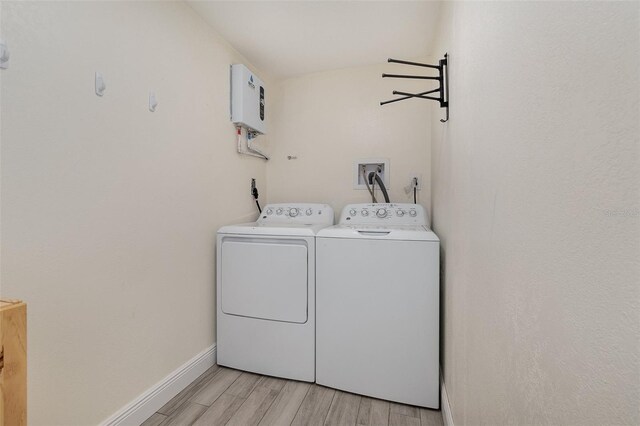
(442, 78)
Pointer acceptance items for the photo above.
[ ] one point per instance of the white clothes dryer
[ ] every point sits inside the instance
(266, 291)
(377, 304)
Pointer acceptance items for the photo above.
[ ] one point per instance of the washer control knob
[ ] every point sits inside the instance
(269, 211)
(309, 212)
(279, 211)
(293, 212)
(381, 213)
(400, 213)
(365, 213)
(352, 212)
(413, 213)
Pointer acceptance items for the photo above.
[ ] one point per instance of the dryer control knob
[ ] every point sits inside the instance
(269, 211)
(293, 212)
(365, 212)
(400, 213)
(309, 212)
(381, 213)
(412, 213)
(279, 211)
(352, 212)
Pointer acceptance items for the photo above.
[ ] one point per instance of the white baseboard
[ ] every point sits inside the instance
(447, 417)
(141, 408)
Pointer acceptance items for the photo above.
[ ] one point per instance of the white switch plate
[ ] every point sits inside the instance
(370, 165)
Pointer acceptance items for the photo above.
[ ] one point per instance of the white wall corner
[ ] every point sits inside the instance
(141, 408)
(447, 417)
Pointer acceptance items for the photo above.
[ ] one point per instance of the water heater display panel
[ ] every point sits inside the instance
(247, 99)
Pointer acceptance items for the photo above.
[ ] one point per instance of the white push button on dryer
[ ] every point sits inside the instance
(309, 212)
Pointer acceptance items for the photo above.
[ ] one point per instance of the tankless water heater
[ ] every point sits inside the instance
(247, 99)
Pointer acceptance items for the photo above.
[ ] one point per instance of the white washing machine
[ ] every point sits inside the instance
(266, 291)
(377, 304)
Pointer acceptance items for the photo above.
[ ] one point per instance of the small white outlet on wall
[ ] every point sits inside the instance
(412, 175)
(379, 165)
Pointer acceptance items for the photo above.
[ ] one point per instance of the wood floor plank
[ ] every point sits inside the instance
(185, 415)
(272, 383)
(431, 417)
(226, 396)
(220, 411)
(254, 407)
(396, 419)
(286, 404)
(364, 412)
(315, 406)
(216, 386)
(373, 412)
(154, 420)
(244, 384)
(343, 410)
(405, 410)
(188, 392)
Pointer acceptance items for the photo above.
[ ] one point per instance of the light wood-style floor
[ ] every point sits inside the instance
(222, 396)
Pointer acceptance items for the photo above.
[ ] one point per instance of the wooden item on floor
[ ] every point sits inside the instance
(13, 363)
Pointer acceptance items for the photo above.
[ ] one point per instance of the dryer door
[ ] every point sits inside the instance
(265, 278)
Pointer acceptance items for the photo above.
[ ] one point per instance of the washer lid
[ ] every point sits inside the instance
(374, 232)
(279, 229)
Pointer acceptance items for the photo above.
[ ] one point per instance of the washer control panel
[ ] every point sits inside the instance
(302, 213)
(384, 214)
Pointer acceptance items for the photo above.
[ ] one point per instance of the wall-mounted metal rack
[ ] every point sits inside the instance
(442, 79)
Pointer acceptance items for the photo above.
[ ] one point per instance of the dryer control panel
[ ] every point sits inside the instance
(302, 213)
(384, 214)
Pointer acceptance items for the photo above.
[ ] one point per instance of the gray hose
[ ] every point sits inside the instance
(382, 187)
(366, 182)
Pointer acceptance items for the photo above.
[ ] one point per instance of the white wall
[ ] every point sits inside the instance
(330, 119)
(536, 196)
(109, 212)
